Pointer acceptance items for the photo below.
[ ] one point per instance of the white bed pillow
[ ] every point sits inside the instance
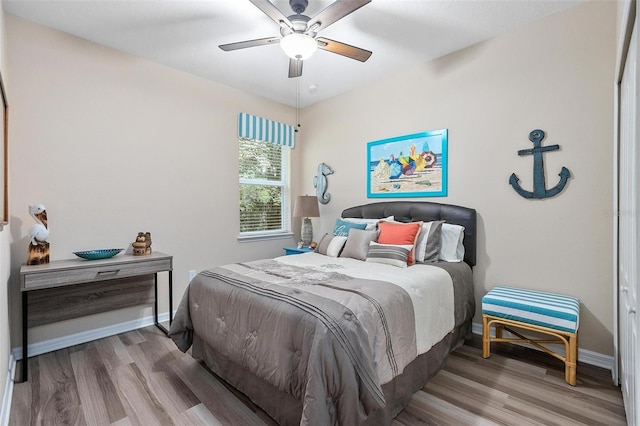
(451, 243)
(331, 245)
(371, 223)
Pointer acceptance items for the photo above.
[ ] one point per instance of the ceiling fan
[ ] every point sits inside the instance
(299, 33)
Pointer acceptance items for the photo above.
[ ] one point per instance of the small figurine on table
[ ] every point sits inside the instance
(38, 246)
(142, 245)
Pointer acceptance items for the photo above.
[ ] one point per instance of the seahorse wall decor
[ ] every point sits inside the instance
(320, 183)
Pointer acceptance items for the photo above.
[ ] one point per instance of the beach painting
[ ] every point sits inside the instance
(408, 166)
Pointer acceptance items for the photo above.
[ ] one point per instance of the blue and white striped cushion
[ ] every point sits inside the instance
(533, 307)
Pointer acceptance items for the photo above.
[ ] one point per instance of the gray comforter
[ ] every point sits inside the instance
(296, 329)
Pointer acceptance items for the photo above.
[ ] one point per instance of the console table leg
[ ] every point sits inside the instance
(155, 300)
(155, 304)
(25, 339)
(170, 297)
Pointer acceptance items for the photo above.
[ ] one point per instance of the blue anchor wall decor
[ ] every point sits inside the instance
(320, 183)
(539, 184)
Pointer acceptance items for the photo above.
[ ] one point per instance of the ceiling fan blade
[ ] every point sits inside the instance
(334, 12)
(343, 49)
(295, 68)
(249, 43)
(272, 12)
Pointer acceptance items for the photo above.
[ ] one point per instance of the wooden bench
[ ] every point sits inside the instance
(551, 314)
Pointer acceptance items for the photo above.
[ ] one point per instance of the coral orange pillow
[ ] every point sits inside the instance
(400, 234)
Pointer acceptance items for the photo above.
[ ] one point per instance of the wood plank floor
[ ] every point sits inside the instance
(141, 378)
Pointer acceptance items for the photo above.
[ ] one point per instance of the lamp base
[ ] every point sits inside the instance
(306, 233)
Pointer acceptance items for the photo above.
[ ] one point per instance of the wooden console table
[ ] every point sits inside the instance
(66, 289)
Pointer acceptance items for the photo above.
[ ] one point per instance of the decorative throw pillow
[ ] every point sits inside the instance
(451, 243)
(371, 223)
(357, 243)
(331, 245)
(389, 254)
(400, 234)
(342, 227)
(428, 244)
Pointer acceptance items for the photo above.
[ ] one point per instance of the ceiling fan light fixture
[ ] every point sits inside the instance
(298, 45)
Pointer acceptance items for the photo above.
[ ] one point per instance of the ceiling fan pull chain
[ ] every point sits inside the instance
(298, 105)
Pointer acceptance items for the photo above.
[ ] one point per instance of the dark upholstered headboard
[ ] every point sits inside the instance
(410, 211)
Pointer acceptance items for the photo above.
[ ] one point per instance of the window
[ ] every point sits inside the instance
(264, 188)
(264, 151)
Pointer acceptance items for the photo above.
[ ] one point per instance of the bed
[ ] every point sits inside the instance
(315, 339)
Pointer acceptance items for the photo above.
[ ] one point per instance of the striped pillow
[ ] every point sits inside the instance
(331, 245)
(389, 254)
(428, 244)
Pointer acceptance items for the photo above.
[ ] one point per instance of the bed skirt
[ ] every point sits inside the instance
(287, 410)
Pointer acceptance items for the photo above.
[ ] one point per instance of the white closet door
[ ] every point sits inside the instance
(629, 237)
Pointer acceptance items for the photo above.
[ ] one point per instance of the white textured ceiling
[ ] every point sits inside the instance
(186, 34)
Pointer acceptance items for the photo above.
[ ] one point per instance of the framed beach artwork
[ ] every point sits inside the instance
(408, 166)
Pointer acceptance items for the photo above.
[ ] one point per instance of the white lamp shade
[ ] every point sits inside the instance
(298, 46)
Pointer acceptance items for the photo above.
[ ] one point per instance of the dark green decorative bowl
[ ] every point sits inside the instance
(97, 254)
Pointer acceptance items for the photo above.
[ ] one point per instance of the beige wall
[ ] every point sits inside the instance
(556, 75)
(112, 144)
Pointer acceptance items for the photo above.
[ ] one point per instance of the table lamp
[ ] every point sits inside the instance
(306, 207)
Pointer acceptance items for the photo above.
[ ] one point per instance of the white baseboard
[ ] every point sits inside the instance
(50, 345)
(584, 355)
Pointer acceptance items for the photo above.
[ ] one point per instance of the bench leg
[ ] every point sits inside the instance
(486, 337)
(498, 328)
(571, 360)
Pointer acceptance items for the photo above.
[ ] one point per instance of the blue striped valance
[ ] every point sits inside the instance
(261, 129)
